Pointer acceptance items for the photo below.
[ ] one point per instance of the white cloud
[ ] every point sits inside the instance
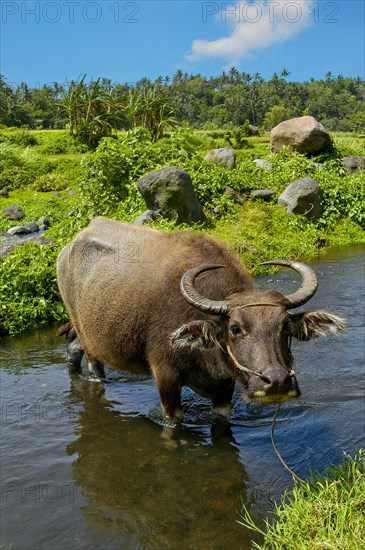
(253, 26)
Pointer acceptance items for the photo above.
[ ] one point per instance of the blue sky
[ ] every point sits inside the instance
(45, 41)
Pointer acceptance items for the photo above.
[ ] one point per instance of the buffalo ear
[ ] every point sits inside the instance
(314, 324)
(198, 335)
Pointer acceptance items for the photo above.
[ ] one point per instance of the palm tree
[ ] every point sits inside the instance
(92, 110)
(151, 109)
(284, 73)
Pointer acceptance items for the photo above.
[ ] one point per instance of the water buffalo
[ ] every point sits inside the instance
(182, 307)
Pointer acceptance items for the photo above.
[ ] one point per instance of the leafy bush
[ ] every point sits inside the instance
(28, 288)
(59, 143)
(105, 177)
(50, 182)
(343, 196)
(14, 177)
(109, 174)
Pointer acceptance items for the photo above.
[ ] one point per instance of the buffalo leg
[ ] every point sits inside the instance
(169, 388)
(75, 351)
(95, 367)
(221, 399)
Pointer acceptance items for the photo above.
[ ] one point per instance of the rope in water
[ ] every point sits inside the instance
(276, 449)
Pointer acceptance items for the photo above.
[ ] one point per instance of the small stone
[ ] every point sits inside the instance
(72, 192)
(4, 193)
(260, 163)
(264, 194)
(148, 215)
(354, 164)
(254, 130)
(234, 194)
(71, 214)
(224, 157)
(13, 213)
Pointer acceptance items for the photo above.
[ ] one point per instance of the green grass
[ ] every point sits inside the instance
(36, 204)
(327, 512)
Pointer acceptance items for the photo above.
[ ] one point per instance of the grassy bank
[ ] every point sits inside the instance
(35, 163)
(326, 512)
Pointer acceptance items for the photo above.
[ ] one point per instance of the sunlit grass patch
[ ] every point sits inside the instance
(325, 512)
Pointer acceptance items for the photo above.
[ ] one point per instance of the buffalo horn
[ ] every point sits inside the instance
(196, 299)
(308, 287)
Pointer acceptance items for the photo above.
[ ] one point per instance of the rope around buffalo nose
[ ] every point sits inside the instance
(276, 449)
(291, 373)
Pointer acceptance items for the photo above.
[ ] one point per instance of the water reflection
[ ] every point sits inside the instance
(152, 487)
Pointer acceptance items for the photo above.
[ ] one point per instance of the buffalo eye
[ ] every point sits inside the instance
(234, 329)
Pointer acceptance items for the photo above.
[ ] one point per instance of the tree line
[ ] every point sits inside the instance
(91, 109)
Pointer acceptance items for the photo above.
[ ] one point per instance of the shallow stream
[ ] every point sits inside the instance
(86, 465)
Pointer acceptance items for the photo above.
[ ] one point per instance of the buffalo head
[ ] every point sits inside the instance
(252, 330)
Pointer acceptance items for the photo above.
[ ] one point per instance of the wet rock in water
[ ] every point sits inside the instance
(171, 191)
(18, 230)
(354, 164)
(32, 226)
(4, 193)
(13, 213)
(223, 157)
(303, 196)
(43, 222)
(260, 163)
(303, 134)
(264, 194)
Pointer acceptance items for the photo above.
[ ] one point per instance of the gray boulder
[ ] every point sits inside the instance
(223, 157)
(4, 193)
(263, 194)
(260, 163)
(32, 226)
(303, 196)
(171, 191)
(13, 213)
(354, 164)
(303, 134)
(18, 230)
